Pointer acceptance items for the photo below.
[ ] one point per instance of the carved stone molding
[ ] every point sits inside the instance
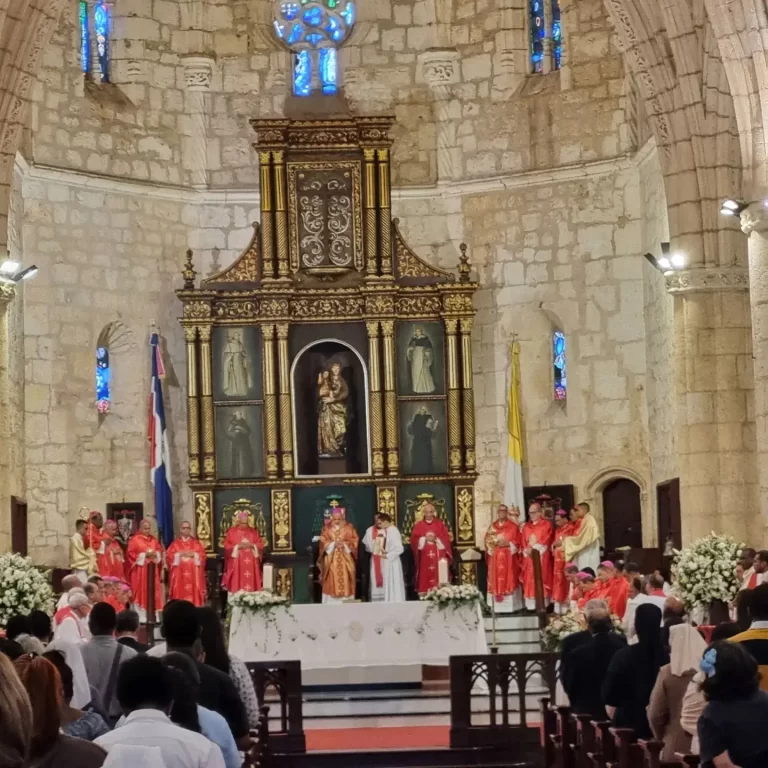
(198, 72)
(7, 292)
(754, 218)
(440, 69)
(706, 279)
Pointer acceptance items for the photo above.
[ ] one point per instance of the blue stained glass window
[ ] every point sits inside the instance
(328, 70)
(313, 16)
(558, 361)
(557, 43)
(102, 380)
(101, 27)
(349, 14)
(538, 32)
(302, 74)
(279, 29)
(85, 43)
(313, 38)
(295, 35)
(290, 11)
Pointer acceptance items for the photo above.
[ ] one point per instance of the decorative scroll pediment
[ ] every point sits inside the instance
(409, 266)
(245, 268)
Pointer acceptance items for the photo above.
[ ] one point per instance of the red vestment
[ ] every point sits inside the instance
(426, 558)
(504, 561)
(615, 592)
(585, 595)
(114, 602)
(242, 569)
(152, 549)
(110, 559)
(186, 565)
(92, 540)
(544, 532)
(560, 585)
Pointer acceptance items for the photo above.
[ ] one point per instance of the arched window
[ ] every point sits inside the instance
(102, 380)
(545, 35)
(558, 364)
(85, 38)
(94, 28)
(101, 29)
(314, 30)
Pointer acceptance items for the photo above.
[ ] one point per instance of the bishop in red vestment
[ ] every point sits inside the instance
(502, 545)
(560, 585)
(538, 534)
(613, 589)
(92, 538)
(110, 559)
(186, 567)
(431, 544)
(243, 548)
(143, 549)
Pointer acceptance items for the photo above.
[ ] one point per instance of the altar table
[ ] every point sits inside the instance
(358, 634)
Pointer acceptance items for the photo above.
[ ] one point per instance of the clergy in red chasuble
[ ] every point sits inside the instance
(431, 545)
(110, 559)
(143, 549)
(560, 585)
(92, 538)
(538, 534)
(243, 549)
(186, 566)
(502, 547)
(338, 557)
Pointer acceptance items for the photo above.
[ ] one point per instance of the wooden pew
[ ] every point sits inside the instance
(548, 730)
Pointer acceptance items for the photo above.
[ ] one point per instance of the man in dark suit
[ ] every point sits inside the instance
(583, 673)
(126, 629)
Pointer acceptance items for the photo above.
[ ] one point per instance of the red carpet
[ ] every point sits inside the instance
(412, 737)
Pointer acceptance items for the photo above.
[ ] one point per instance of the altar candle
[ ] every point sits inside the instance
(268, 579)
(442, 571)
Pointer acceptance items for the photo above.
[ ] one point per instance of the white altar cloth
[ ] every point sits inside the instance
(358, 634)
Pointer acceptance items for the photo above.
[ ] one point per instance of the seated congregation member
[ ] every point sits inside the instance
(757, 573)
(577, 639)
(673, 614)
(632, 674)
(687, 646)
(732, 729)
(102, 656)
(10, 649)
(755, 639)
(588, 664)
(49, 747)
(145, 692)
(126, 631)
(82, 724)
(211, 724)
(637, 597)
(181, 630)
(72, 621)
(15, 715)
(655, 591)
(17, 625)
(216, 655)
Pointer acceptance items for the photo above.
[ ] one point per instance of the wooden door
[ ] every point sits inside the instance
(622, 515)
(668, 513)
(19, 525)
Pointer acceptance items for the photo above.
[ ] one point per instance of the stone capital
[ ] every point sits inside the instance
(707, 279)
(440, 69)
(754, 218)
(7, 292)
(198, 72)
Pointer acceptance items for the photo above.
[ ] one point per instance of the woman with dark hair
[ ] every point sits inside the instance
(74, 722)
(732, 728)
(215, 648)
(49, 748)
(15, 716)
(633, 671)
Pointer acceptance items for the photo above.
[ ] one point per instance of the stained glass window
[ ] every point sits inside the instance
(101, 28)
(85, 43)
(557, 44)
(558, 362)
(102, 379)
(313, 30)
(538, 33)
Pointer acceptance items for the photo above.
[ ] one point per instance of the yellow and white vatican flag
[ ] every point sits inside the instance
(513, 480)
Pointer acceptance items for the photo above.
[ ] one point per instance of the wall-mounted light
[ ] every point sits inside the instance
(668, 261)
(10, 272)
(730, 207)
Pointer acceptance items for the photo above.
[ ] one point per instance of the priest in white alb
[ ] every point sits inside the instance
(385, 545)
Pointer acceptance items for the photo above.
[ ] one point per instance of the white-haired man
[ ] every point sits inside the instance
(72, 621)
(68, 583)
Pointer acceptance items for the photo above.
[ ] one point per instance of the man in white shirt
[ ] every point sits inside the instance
(145, 693)
(68, 583)
(385, 545)
(72, 621)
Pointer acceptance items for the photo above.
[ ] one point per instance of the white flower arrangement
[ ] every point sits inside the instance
(706, 571)
(256, 602)
(562, 626)
(23, 588)
(453, 595)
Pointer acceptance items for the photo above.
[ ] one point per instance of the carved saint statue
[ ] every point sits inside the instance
(241, 456)
(237, 376)
(422, 428)
(420, 357)
(333, 413)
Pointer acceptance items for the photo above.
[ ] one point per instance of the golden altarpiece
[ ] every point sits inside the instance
(329, 364)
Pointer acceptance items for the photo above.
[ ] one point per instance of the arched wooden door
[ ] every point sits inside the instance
(622, 515)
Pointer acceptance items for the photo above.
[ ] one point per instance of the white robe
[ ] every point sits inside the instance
(589, 557)
(393, 588)
(420, 359)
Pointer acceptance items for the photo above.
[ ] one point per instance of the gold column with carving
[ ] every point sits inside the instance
(467, 394)
(454, 398)
(281, 215)
(270, 399)
(206, 393)
(468, 574)
(284, 388)
(267, 215)
(193, 405)
(386, 501)
(369, 206)
(282, 525)
(390, 398)
(203, 501)
(385, 214)
(377, 421)
(465, 515)
(284, 583)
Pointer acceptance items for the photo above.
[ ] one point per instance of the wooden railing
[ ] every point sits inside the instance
(579, 741)
(284, 677)
(505, 679)
(258, 756)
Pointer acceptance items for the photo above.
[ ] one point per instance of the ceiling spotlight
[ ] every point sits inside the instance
(732, 207)
(678, 260)
(665, 263)
(8, 275)
(9, 267)
(27, 273)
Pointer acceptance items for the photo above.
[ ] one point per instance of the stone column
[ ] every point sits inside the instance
(713, 382)
(440, 69)
(270, 399)
(512, 50)
(286, 415)
(206, 393)
(7, 292)
(377, 424)
(454, 398)
(390, 397)
(198, 71)
(193, 405)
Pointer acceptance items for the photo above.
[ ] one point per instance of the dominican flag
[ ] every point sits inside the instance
(159, 454)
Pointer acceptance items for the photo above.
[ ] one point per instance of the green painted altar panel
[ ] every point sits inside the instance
(259, 498)
(443, 493)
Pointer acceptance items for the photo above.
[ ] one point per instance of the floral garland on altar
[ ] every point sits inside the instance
(23, 588)
(264, 604)
(452, 597)
(560, 627)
